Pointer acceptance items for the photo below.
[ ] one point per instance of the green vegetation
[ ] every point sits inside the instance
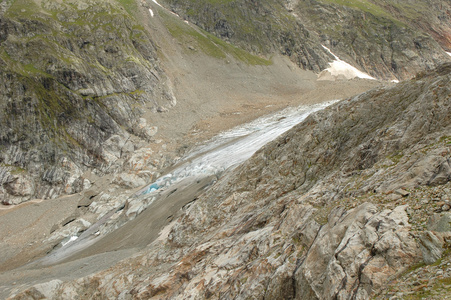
(130, 6)
(13, 169)
(369, 7)
(249, 25)
(239, 53)
(396, 158)
(220, 1)
(23, 9)
(208, 43)
(46, 47)
(445, 139)
(363, 5)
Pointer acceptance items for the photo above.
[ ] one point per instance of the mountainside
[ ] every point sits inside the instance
(350, 200)
(86, 83)
(75, 77)
(387, 39)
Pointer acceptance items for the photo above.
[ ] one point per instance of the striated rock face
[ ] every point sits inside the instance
(387, 39)
(312, 215)
(355, 252)
(75, 78)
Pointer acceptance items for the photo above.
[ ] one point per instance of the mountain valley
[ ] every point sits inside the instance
(104, 102)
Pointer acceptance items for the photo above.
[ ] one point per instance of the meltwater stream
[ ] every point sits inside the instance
(232, 147)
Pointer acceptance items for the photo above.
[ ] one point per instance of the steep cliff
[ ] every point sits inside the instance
(387, 39)
(75, 78)
(354, 197)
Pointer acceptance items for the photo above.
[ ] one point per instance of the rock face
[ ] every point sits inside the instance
(75, 78)
(312, 215)
(387, 39)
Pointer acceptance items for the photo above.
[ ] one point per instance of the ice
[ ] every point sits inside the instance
(339, 67)
(153, 187)
(151, 12)
(233, 147)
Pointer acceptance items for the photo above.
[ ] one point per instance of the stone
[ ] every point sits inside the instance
(362, 241)
(128, 180)
(439, 223)
(47, 289)
(18, 188)
(393, 197)
(431, 247)
(402, 192)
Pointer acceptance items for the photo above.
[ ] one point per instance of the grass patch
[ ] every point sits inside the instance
(23, 8)
(239, 53)
(396, 158)
(362, 5)
(208, 43)
(13, 169)
(219, 1)
(130, 6)
(368, 7)
(188, 35)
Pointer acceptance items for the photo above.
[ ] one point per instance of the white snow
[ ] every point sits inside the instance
(151, 12)
(342, 68)
(72, 238)
(449, 53)
(395, 81)
(155, 1)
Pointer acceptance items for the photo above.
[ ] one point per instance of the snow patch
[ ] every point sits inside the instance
(155, 1)
(395, 81)
(72, 238)
(449, 53)
(151, 12)
(339, 68)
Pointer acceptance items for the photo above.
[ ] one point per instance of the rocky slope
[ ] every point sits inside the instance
(387, 39)
(75, 78)
(350, 200)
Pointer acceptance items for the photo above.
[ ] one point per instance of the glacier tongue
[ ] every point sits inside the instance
(232, 147)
